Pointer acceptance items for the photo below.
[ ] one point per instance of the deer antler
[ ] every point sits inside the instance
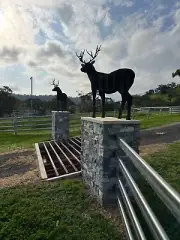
(55, 84)
(98, 49)
(80, 56)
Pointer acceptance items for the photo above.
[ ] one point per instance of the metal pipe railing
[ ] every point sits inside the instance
(135, 222)
(168, 195)
(126, 222)
(153, 223)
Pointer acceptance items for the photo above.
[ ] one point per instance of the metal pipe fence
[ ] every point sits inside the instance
(169, 197)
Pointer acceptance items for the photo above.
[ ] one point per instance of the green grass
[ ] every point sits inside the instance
(166, 163)
(58, 211)
(27, 139)
(157, 120)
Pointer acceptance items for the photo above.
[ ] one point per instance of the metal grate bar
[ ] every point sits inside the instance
(54, 167)
(70, 152)
(75, 143)
(74, 148)
(62, 164)
(66, 156)
(75, 139)
(69, 175)
(79, 139)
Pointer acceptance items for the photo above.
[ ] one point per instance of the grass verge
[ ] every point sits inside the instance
(59, 210)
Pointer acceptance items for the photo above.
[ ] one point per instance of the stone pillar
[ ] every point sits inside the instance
(99, 147)
(60, 125)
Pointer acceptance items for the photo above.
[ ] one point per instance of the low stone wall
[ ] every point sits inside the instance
(100, 145)
(60, 125)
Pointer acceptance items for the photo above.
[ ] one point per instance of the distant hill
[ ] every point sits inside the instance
(47, 98)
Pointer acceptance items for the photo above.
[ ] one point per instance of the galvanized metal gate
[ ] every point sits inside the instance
(58, 160)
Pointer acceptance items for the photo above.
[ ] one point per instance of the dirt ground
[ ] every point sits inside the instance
(18, 168)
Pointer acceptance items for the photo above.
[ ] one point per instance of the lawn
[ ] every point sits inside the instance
(63, 210)
(60, 210)
(27, 139)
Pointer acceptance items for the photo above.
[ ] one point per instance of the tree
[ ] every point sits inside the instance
(7, 101)
(109, 104)
(150, 92)
(85, 101)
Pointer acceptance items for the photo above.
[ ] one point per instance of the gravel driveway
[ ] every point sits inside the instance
(166, 134)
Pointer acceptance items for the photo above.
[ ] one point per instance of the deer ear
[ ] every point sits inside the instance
(92, 62)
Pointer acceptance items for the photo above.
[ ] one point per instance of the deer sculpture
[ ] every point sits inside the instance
(120, 81)
(62, 97)
(176, 73)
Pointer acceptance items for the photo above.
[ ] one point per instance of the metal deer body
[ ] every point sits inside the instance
(120, 81)
(177, 73)
(61, 97)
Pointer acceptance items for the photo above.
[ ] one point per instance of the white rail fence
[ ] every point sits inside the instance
(159, 110)
(34, 123)
(166, 194)
(44, 123)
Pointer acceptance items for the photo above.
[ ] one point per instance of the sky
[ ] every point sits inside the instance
(39, 39)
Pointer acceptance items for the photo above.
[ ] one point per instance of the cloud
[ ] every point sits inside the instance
(146, 40)
(10, 54)
(127, 3)
(50, 49)
(65, 13)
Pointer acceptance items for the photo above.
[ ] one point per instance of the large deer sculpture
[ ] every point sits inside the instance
(62, 97)
(120, 81)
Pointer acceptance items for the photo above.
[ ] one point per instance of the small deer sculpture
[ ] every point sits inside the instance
(120, 81)
(176, 73)
(62, 97)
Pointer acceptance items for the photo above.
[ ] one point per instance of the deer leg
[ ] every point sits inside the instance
(94, 104)
(129, 104)
(62, 107)
(57, 105)
(103, 103)
(65, 105)
(124, 97)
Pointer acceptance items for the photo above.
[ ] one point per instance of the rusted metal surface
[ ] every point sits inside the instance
(59, 159)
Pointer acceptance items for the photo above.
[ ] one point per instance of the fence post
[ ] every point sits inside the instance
(114, 113)
(100, 145)
(148, 113)
(133, 111)
(15, 124)
(170, 110)
(60, 125)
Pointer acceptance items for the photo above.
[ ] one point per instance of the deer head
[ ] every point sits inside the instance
(56, 85)
(88, 67)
